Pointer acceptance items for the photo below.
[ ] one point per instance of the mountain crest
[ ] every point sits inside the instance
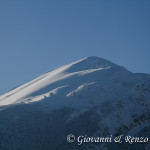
(87, 63)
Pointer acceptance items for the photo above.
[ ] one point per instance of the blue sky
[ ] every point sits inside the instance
(37, 36)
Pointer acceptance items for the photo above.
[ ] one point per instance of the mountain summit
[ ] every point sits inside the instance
(92, 96)
(90, 63)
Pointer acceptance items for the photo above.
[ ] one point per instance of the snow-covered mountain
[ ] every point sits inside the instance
(91, 97)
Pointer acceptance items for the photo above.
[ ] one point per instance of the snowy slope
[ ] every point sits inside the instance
(54, 78)
(114, 99)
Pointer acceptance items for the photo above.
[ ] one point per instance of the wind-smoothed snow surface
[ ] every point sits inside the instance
(91, 97)
(61, 81)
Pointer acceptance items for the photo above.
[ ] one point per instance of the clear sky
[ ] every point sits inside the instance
(39, 35)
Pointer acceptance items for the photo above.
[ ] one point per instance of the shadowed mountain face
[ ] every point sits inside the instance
(92, 97)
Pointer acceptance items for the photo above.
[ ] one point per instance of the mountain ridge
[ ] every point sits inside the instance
(91, 96)
(83, 66)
